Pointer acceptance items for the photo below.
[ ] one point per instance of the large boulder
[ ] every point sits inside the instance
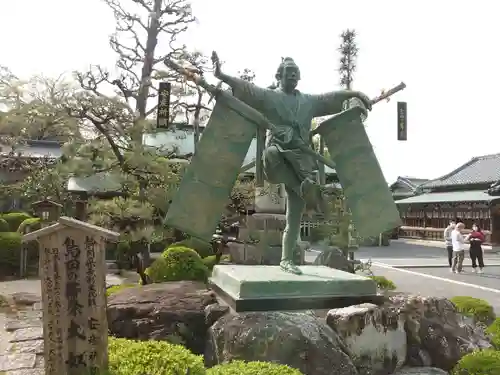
(375, 337)
(179, 312)
(297, 339)
(437, 335)
(421, 371)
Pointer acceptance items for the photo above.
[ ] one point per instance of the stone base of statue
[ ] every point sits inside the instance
(261, 238)
(268, 288)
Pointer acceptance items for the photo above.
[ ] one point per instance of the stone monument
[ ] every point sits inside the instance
(288, 159)
(73, 273)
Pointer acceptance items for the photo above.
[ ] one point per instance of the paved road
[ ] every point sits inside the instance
(424, 270)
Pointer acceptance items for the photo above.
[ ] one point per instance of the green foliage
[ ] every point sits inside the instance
(204, 249)
(252, 368)
(14, 219)
(383, 283)
(116, 288)
(484, 362)
(478, 309)
(34, 223)
(4, 226)
(494, 331)
(211, 260)
(10, 251)
(128, 357)
(3, 301)
(178, 263)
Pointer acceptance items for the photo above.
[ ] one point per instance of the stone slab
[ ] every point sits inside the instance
(15, 324)
(267, 288)
(31, 371)
(17, 361)
(27, 334)
(32, 346)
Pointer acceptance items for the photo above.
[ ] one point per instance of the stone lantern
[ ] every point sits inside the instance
(48, 211)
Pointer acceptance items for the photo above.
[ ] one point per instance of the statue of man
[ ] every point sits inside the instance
(283, 162)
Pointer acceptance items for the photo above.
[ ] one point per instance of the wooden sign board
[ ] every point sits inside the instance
(73, 276)
(402, 121)
(163, 111)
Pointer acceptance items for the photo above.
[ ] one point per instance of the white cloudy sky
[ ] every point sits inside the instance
(445, 51)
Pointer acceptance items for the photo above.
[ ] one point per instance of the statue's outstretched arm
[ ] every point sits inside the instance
(247, 92)
(331, 102)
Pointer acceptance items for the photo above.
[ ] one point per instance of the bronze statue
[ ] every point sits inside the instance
(284, 159)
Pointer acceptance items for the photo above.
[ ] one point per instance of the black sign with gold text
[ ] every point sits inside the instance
(163, 112)
(402, 121)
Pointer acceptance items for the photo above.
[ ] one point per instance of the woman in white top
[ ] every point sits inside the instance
(458, 243)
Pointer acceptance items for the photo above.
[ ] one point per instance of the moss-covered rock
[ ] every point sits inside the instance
(477, 309)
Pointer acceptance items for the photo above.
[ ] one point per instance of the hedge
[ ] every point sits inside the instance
(129, 357)
(34, 223)
(483, 362)
(176, 264)
(252, 368)
(478, 309)
(4, 226)
(14, 219)
(10, 250)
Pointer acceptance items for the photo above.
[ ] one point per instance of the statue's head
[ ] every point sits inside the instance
(288, 74)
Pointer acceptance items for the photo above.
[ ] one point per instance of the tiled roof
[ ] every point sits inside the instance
(479, 170)
(455, 196)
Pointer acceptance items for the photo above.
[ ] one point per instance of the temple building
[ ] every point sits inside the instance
(465, 193)
(405, 187)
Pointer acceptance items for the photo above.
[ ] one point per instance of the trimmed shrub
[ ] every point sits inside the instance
(211, 260)
(383, 283)
(33, 223)
(14, 219)
(4, 226)
(116, 288)
(484, 362)
(252, 368)
(494, 331)
(204, 249)
(10, 251)
(176, 264)
(478, 309)
(129, 357)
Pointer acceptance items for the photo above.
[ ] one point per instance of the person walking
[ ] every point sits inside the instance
(476, 239)
(458, 243)
(447, 241)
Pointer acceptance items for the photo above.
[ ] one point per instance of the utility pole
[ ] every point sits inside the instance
(348, 55)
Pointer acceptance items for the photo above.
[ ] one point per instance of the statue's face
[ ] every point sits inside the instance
(290, 77)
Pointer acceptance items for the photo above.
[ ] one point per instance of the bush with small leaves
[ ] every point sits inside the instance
(14, 219)
(116, 288)
(176, 264)
(478, 309)
(204, 249)
(129, 357)
(252, 368)
(383, 283)
(481, 362)
(494, 331)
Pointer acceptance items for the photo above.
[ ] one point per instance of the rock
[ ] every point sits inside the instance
(17, 361)
(375, 336)
(298, 339)
(334, 258)
(173, 311)
(437, 334)
(214, 312)
(26, 299)
(33, 371)
(421, 371)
